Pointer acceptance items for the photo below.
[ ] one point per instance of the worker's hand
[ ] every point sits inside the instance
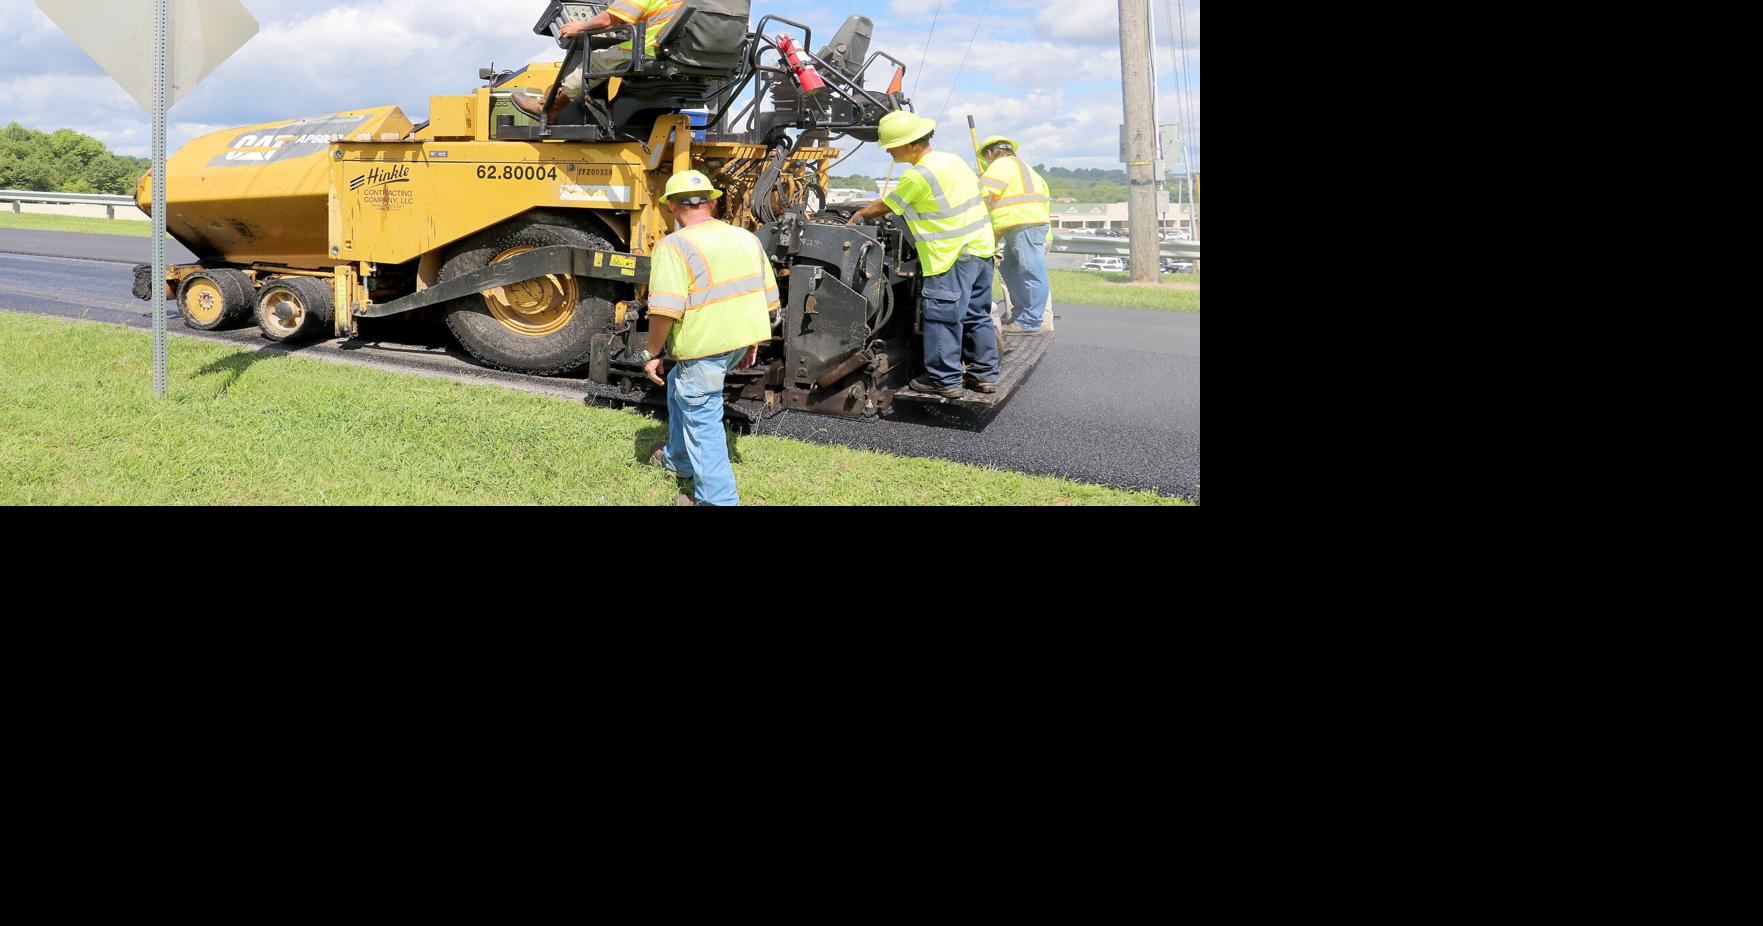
(571, 30)
(747, 361)
(653, 370)
(854, 219)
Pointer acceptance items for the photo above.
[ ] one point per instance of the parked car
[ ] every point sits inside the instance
(1171, 265)
(1105, 263)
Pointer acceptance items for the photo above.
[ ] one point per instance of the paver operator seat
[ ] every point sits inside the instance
(699, 51)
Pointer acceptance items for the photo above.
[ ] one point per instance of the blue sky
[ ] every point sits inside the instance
(1047, 74)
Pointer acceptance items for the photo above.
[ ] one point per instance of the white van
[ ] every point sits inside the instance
(1105, 263)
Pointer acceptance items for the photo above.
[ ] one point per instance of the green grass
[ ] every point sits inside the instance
(36, 221)
(1089, 287)
(79, 426)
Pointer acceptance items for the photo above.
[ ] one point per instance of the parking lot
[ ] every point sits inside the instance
(1060, 261)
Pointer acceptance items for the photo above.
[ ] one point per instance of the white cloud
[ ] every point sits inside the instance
(913, 8)
(1097, 22)
(1085, 21)
(1046, 73)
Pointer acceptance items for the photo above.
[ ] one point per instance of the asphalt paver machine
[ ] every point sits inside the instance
(528, 237)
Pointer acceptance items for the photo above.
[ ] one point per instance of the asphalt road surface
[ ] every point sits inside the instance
(1115, 400)
(117, 248)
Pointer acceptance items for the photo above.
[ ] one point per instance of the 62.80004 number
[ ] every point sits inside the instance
(516, 172)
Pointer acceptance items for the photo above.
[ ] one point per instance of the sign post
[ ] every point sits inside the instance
(156, 55)
(161, 89)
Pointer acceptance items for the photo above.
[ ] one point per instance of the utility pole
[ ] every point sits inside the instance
(1141, 138)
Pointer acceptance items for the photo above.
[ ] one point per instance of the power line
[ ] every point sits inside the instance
(1190, 114)
(847, 157)
(1189, 106)
(933, 32)
(976, 26)
(1184, 116)
(1180, 106)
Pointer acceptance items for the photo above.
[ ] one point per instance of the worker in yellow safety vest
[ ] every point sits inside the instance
(939, 197)
(653, 14)
(1021, 212)
(711, 295)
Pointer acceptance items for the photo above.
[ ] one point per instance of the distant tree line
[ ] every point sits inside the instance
(64, 162)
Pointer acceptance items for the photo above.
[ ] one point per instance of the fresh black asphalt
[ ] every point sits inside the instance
(112, 248)
(1115, 401)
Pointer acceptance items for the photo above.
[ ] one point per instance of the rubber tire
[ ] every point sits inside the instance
(495, 344)
(315, 298)
(236, 306)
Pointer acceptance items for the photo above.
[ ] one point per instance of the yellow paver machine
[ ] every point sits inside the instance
(528, 237)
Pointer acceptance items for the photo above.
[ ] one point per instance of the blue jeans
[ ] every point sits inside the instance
(958, 323)
(1024, 271)
(697, 447)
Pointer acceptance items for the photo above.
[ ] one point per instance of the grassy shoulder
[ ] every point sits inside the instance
(1116, 290)
(36, 221)
(79, 426)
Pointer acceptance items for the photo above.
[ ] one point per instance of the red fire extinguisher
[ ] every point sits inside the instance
(805, 73)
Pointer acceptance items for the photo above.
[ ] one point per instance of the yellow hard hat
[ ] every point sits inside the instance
(997, 139)
(902, 128)
(689, 182)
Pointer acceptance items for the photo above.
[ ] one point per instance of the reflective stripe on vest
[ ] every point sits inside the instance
(944, 210)
(1023, 200)
(961, 232)
(652, 27)
(695, 261)
(944, 230)
(719, 316)
(740, 287)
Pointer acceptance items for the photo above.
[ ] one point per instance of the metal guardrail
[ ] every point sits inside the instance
(1120, 247)
(16, 197)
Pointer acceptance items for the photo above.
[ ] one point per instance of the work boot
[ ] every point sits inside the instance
(1014, 328)
(929, 388)
(980, 385)
(529, 103)
(684, 501)
(659, 458)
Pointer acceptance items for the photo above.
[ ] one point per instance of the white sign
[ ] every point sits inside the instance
(119, 36)
(1169, 139)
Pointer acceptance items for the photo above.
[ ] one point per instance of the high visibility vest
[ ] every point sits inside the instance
(653, 14)
(939, 198)
(1016, 194)
(717, 282)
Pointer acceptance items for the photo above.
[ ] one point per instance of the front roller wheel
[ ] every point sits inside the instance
(295, 309)
(541, 326)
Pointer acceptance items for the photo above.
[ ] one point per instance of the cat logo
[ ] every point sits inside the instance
(302, 138)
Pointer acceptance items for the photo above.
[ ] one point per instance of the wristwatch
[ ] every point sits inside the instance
(646, 356)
